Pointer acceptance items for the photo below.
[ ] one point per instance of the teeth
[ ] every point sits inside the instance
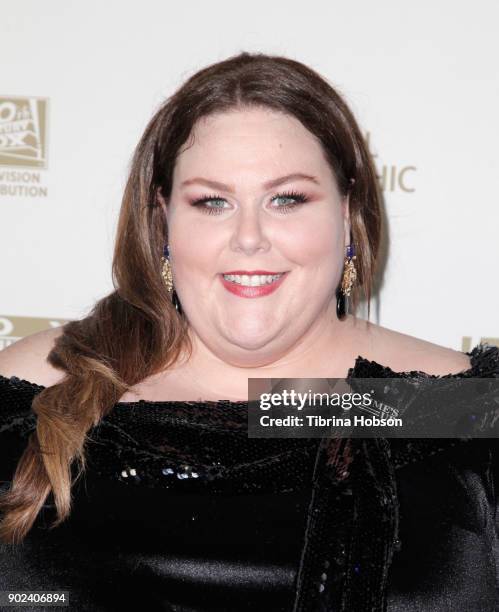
(253, 280)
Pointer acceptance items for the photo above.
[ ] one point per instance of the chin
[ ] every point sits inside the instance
(250, 339)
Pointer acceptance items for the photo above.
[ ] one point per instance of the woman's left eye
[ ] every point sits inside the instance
(299, 198)
(205, 203)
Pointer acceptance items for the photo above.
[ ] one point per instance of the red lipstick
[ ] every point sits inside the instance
(252, 292)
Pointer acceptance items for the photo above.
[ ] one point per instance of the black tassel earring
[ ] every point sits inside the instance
(340, 304)
(349, 278)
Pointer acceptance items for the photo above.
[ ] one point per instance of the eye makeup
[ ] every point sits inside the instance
(298, 197)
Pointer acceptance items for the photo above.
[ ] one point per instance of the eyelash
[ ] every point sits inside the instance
(300, 198)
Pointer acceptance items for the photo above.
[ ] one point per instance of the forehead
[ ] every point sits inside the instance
(261, 140)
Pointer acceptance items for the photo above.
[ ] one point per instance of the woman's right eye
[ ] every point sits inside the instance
(205, 202)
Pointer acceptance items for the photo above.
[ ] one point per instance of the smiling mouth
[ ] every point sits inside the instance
(253, 280)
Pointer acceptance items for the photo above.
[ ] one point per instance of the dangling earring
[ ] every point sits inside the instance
(166, 273)
(349, 278)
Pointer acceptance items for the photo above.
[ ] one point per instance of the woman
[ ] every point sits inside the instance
(250, 215)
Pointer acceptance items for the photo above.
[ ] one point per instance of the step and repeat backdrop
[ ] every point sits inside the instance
(80, 81)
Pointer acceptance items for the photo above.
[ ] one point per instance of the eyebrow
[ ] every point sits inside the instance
(268, 185)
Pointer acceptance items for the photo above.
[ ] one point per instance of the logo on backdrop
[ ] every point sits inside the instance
(393, 177)
(468, 343)
(23, 146)
(14, 328)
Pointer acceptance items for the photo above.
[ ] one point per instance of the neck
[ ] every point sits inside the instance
(328, 350)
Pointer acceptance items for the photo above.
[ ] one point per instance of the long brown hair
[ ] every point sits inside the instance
(135, 331)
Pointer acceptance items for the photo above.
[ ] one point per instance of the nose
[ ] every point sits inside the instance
(249, 234)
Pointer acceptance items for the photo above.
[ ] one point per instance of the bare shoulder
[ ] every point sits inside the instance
(405, 353)
(27, 358)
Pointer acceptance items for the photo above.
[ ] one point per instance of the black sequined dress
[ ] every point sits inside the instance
(179, 510)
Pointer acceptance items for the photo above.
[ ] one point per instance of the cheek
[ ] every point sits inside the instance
(316, 243)
(194, 252)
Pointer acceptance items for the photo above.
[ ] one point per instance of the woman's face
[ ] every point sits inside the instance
(252, 220)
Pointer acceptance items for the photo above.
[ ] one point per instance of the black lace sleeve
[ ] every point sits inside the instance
(495, 481)
(17, 422)
(16, 396)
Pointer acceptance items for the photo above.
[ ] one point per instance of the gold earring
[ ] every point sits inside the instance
(166, 270)
(350, 271)
(349, 278)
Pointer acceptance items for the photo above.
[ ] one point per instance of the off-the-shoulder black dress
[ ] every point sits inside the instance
(179, 510)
